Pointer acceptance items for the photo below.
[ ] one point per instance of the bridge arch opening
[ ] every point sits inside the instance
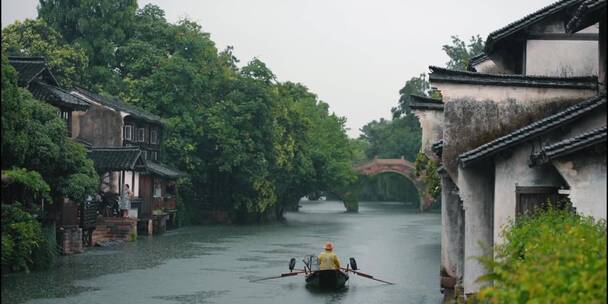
(389, 186)
(402, 167)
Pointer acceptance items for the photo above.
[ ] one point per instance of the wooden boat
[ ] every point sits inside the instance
(327, 279)
(333, 279)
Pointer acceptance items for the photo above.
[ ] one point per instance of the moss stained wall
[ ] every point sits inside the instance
(469, 123)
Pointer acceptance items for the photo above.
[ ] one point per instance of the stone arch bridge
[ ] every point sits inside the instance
(400, 166)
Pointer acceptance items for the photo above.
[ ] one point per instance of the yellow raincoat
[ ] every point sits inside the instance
(328, 260)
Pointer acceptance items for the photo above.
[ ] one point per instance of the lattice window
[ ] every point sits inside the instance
(128, 132)
(141, 135)
(154, 136)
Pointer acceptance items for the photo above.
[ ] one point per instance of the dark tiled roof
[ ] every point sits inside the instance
(446, 75)
(163, 170)
(119, 105)
(587, 13)
(425, 103)
(437, 147)
(441, 170)
(477, 59)
(570, 145)
(527, 21)
(56, 96)
(31, 67)
(117, 158)
(85, 143)
(533, 130)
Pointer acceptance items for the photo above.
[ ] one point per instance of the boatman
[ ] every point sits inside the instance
(328, 259)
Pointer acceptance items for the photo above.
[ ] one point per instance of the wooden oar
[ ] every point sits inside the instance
(289, 274)
(367, 276)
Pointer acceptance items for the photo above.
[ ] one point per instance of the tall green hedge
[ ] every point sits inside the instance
(553, 257)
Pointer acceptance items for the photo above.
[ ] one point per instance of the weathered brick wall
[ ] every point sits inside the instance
(71, 240)
(114, 228)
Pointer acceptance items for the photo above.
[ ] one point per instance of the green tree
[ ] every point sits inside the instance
(392, 138)
(35, 38)
(99, 27)
(415, 86)
(460, 52)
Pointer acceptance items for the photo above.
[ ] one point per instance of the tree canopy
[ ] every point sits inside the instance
(252, 145)
(36, 38)
(392, 138)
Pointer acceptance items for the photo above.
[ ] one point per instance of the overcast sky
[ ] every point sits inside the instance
(355, 55)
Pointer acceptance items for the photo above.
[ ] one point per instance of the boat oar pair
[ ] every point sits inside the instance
(365, 275)
(283, 275)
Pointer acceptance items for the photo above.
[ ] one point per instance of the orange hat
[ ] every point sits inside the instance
(329, 246)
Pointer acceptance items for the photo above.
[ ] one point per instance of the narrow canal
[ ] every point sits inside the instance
(213, 264)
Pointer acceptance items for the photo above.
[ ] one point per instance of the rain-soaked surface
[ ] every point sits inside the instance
(213, 264)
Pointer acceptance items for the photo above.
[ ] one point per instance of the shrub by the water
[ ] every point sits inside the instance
(24, 246)
(553, 257)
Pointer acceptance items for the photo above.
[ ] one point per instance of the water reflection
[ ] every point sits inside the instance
(213, 264)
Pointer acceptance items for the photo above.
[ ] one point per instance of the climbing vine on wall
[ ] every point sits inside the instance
(427, 169)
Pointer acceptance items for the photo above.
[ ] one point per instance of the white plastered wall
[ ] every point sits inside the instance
(563, 58)
(431, 122)
(512, 171)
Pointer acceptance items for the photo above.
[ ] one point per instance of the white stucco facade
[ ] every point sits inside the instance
(498, 94)
(476, 191)
(510, 172)
(567, 58)
(586, 176)
(431, 122)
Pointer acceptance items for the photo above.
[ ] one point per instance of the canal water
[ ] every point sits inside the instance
(214, 264)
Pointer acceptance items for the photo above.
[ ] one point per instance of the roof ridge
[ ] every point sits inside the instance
(26, 58)
(427, 98)
(439, 74)
(529, 18)
(117, 103)
(591, 132)
(568, 145)
(474, 59)
(577, 19)
(115, 148)
(477, 74)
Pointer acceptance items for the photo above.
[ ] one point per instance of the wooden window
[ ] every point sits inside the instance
(145, 154)
(154, 155)
(141, 135)
(154, 136)
(531, 199)
(65, 115)
(128, 132)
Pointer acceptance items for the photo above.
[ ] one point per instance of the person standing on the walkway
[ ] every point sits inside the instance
(125, 201)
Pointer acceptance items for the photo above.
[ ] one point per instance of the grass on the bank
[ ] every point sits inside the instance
(553, 257)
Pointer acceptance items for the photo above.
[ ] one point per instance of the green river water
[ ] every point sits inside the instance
(214, 264)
